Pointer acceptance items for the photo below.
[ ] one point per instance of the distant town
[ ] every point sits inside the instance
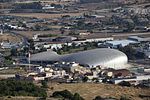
(57, 45)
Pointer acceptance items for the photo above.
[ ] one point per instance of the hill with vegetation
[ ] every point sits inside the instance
(20, 88)
(89, 91)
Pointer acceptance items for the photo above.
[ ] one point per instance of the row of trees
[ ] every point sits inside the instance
(34, 5)
(74, 47)
(131, 52)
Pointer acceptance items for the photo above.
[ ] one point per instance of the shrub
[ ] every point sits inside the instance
(44, 84)
(124, 83)
(65, 93)
(98, 98)
(85, 79)
(77, 97)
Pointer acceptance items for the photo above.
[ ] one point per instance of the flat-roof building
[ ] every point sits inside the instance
(121, 43)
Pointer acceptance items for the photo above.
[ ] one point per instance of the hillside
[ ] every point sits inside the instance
(117, 1)
(90, 90)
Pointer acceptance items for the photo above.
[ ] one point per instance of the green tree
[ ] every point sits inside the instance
(21, 24)
(65, 94)
(37, 27)
(62, 30)
(124, 83)
(98, 98)
(31, 44)
(95, 79)
(130, 26)
(54, 49)
(129, 51)
(44, 84)
(65, 48)
(77, 97)
(85, 79)
(11, 87)
(13, 52)
(73, 45)
(85, 47)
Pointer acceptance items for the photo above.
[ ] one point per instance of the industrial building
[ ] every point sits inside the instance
(104, 57)
(120, 43)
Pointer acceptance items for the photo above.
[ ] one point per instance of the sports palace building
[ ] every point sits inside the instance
(104, 57)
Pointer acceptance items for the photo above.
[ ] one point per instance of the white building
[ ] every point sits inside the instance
(135, 79)
(121, 43)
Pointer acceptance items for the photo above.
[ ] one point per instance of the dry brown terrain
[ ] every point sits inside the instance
(24, 98)
(43, 15)
(90, 90)
(18, 98)
(29, 34)
(42, 1)
(10, 38)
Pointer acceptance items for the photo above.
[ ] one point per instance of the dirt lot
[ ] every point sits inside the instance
(17, 98)
(12, 71)
(90, 90)
(43, 15)
(9, 37)
(29, 34)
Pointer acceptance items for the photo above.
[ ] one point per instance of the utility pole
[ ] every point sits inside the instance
(1, 33)
(2, 27)
(29, 55)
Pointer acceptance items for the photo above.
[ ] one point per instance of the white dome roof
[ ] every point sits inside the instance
(105, 57)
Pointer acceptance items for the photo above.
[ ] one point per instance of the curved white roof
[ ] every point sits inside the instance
(105, 57)
(45, 56)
